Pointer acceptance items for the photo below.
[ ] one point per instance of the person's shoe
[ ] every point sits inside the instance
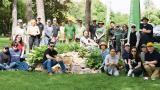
(153, 79)
(146, 78)
(129, 72)
(50, 74)
(133, 75)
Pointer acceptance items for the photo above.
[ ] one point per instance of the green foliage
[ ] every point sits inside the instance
(83, 52)
(63, 47)
(119, 18)
(94, 59)
(37, 55)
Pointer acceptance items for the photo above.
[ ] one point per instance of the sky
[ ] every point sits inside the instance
(123, 6)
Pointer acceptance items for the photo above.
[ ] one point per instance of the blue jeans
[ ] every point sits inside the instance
(2, 67)
(48, 64)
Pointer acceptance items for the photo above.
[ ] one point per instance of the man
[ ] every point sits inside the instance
(126, 54)
(4, 58)
(55, 30)
(41, 27)
(152, 62)
(70, 31)
(51, 58)
(146, 31)
(93, 29)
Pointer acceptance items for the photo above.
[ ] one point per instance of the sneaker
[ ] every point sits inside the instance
(146, 78)
(50, 74)
(129, 72)
(153, 79)
(133, 75)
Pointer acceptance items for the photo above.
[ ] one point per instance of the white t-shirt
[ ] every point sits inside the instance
(33, 30)
(110, 59)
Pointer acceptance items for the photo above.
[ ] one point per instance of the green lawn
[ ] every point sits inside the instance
(16, 80)
(4, 41)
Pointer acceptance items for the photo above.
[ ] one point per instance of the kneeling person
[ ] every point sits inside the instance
(51, 58)
(111, 62)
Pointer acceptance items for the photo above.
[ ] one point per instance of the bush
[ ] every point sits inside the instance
(37, 55)
(94, 59)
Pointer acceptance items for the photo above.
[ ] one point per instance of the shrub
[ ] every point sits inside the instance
(94, 59)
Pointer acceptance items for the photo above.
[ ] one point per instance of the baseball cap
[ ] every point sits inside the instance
(149, 44)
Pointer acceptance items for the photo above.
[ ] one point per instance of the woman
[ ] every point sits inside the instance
(100, 32)
(135, 63)
(104, 51)
(111, 63)
(33, 32)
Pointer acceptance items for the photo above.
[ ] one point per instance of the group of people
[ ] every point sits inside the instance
(138, 53)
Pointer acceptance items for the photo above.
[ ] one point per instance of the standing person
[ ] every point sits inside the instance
(134, 37)
(126, 56)
(51, 58)
(135, 63)
(70, 31)
(61, 37)
(48, 32)
(152, 62)
(79, 30)
(93, 29)
(55, 30)
(118, 37)
(111, 63)
(125, 31)
(33, 32)
(100, 32)
(111, 32)
(146, 31)
(41, 27)
(4, 58)
(19, 30)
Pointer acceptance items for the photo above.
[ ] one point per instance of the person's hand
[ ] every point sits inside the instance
(144, 30)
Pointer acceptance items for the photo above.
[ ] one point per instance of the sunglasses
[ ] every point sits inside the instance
(52, 46)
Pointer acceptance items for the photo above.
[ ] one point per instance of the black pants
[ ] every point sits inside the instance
(33, 40)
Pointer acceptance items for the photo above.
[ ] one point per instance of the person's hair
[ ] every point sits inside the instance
(85, 31)
(14, 44)
(114, 49)
(112, 22)
(20, 42)
(51, 43)
(137, 53)
(125, 26)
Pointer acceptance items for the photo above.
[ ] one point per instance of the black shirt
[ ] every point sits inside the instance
(133, 39)
(146, 37)
(41, 27)
(134, 61)
(153, 56)
(50, 52)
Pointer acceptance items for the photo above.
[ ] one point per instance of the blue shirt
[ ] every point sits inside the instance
(105, 53)
(15, 55)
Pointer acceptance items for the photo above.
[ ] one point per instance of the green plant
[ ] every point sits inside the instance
(37, 55)
(83, 52)
(94, 59)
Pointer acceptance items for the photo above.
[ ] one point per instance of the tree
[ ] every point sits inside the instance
(29, 10)
(40, 10)
(88, 14)
(14, 15)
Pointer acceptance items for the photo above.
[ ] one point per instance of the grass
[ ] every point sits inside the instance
(17, 80)
(4, 41)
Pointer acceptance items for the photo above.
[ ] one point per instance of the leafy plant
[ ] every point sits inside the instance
(94, 59)
(37, 55)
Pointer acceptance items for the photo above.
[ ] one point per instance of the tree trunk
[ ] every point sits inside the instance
(88, 14)
(29, 10)
(14, 16)
(40, 10)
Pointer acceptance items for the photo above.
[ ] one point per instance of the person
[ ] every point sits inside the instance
(100, 32)
(4, 58)
(51, 58)
(146, 31)
(61, 33)
(152, 62)
(118, 37)
(143, 52)
(125, 55)
(69, 31)
(111, 35)
(124, 31)
(104, 52)
(86, 42)
(79, 30)
(111, 63)
(41, 28)
(19, 29)
(93, 29)
(134, 37)
(135, 64)
(48, 32)
(21, 45)
(55, 30)
(33, 32)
